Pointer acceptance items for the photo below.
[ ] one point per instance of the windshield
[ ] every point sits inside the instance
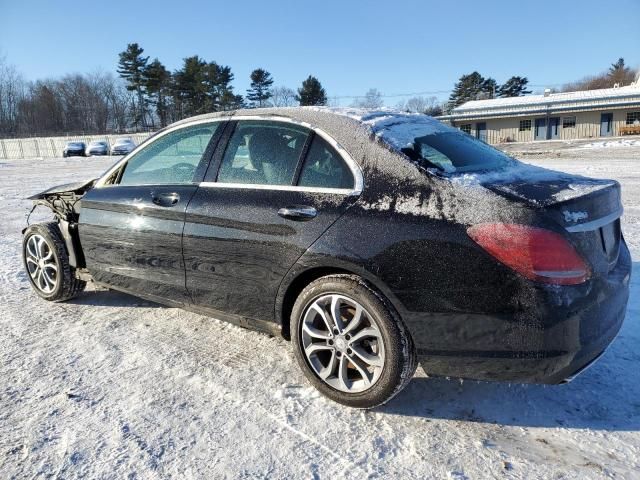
(452, 152)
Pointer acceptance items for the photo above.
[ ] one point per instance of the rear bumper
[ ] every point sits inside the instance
(559, 332)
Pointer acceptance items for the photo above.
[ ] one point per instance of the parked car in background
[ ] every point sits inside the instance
(100, 147)
(372, 240)
(74, 149)
(122, 146)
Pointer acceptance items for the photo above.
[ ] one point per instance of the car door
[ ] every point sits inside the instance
(268, 196)
(131, 223)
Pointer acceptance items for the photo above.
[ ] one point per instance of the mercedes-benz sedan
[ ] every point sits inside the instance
(372, 240)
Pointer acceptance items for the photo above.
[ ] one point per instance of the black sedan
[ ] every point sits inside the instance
(74, 149)
(372, 240)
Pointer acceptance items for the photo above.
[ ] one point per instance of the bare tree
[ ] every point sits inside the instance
(372, 99)
(283, 97)
(12, 91)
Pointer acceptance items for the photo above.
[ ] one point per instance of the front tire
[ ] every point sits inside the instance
(350, 342)
(46, 262)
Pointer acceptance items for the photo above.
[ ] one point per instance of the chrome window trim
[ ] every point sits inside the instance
(351, 163)
(152, 139)
(358, 178)
(287, 188)
(595, 224)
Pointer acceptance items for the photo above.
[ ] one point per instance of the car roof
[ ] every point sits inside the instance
(355, 130)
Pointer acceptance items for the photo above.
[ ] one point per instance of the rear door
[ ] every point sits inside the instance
(131, 225)
(267, 197)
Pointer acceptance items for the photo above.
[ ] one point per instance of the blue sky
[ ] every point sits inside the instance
(396, 46)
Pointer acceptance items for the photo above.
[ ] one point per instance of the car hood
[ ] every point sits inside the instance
(77, 188)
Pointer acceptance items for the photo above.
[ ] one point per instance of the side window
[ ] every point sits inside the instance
(323, 167)
(262, 153)
(172, 159)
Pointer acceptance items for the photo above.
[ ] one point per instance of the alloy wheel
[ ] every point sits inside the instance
(342, 343)
(41, 263)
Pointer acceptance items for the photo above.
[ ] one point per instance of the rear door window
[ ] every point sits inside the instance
(264, 153)
(324, 168)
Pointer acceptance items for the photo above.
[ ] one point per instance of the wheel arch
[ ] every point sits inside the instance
(299, 278)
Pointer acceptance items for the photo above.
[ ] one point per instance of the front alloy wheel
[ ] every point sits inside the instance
(46, 262)
(41, 264)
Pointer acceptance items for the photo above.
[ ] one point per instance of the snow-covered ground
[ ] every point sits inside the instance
(110, 386)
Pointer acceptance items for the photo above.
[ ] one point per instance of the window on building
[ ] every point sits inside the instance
(466, 128)
(633, 118)
(525, 125)
(568, 122)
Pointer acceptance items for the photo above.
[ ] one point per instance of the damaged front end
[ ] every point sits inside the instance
(63, 202)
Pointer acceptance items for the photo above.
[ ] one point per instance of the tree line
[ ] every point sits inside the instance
(162, 97)
(474, 86)
(146, 95)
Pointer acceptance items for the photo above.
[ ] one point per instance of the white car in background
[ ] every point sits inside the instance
(123, 146)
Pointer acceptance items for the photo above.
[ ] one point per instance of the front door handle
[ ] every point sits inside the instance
(165, 199)
(298, 213)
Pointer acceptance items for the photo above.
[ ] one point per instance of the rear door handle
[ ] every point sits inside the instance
(165, 199)
(298, 213)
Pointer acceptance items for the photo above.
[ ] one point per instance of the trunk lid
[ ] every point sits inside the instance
(588, 209)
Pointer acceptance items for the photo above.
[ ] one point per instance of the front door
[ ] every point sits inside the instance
(278, 188)
(554, 128)
(606, 124)
(131, 227)
(540, 132)
(481, 131)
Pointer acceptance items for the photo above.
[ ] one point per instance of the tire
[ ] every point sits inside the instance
(47, 265)
(384, 352)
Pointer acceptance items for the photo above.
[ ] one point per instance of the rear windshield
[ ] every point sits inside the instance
(451, 152)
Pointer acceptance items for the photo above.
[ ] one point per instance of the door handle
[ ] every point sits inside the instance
(298, 213)
(165, 199)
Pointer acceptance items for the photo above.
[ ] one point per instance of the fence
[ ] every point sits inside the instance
(51, 147)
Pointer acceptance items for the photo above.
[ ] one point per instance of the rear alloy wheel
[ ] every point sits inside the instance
(46, 261)
(350, 343)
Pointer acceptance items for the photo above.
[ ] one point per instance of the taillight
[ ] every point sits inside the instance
(536, 253)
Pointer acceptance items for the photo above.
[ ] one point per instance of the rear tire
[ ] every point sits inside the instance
(362, 359)
(46, 263)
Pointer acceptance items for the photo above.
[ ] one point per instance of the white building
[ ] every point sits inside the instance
(552, 116)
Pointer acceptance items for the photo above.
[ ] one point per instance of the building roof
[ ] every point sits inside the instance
(551, 103)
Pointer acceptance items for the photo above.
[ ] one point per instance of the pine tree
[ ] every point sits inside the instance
(260, 92)
(219, 89)
(468, 88)
(619, 73)
(191, 88)
(131, 67)
(514, 87)
(157, 85)
(488, 89)
(311, 92)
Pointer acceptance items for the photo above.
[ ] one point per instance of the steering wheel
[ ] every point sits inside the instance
(184, 167)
